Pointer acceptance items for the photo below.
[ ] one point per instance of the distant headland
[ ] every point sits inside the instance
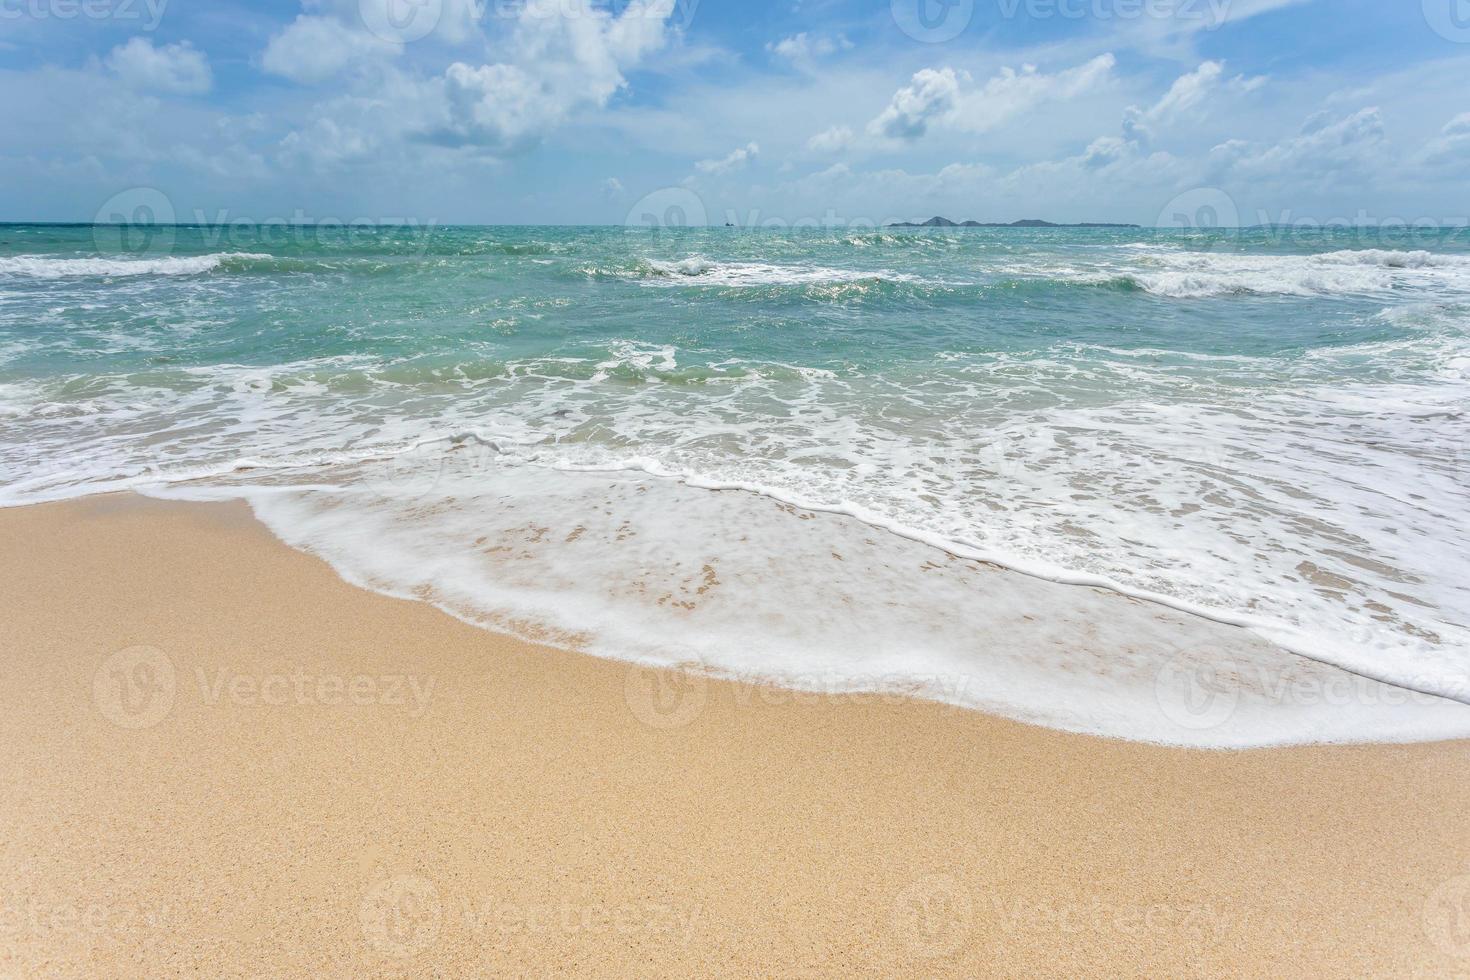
(937, 222)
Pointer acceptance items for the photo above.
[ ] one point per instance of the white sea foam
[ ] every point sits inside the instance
(52, 267)
(1322, 519)
(750, 274)
(640, 357)
(1195, 275)
(1391, 259)
(742, 586)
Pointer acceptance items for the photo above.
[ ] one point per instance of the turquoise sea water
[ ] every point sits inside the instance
(1259, 428)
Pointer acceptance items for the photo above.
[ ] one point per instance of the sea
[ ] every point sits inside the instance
(1201, 488)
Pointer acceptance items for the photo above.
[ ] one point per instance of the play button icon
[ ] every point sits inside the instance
(1450, 19)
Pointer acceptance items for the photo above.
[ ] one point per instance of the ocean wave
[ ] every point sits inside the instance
(1200, 275)
(1390, 259)
(523, 248)
(619, 361)
(562, 519)
(1169, 274)
(706, 272)
(54, 267)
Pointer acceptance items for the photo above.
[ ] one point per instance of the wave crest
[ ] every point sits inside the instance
(1198, 275)
(53, 267)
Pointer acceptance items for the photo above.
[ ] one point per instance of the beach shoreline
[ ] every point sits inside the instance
(222, 758)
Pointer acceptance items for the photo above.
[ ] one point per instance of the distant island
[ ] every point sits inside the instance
(1024, 223)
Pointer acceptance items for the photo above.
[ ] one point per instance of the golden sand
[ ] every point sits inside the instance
(220, 759)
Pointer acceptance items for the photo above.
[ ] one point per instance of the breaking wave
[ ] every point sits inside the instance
(51, 267)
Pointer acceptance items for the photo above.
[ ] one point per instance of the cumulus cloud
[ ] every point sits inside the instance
(1104, 152)
(834, 139)
(335, 35)
(497, 106)
(335, 137)
(546, 63)
(1013, 92)
(1451, 147)
(1188, 94)
(1327, 150)
(803, 48)
(738, 159)
(557, 64)
(313, 49)
(930, 95)
(178, 69)
(948, 97)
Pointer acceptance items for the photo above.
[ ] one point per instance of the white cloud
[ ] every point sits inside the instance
(374, 129)
(335, 35)
(327, 144)
(1240, 10)
(947, 97)
(313, 49)
(612, 188)
(1188, 91)
(803, 48)
(1013, 92)
(831, 140)
(497, 106)
(1328, 150)
(549, 62)
(1171, 25)
(1188, 94)
(1451, 147)
(929, 96)
(176, 68)
(1104, 152)
(738, 159)
(557, 64)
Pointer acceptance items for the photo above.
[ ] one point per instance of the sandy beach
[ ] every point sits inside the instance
(220, 759)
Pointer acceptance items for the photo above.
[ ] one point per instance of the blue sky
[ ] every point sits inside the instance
(815, 111)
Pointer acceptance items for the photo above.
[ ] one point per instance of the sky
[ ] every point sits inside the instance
(752, 112)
